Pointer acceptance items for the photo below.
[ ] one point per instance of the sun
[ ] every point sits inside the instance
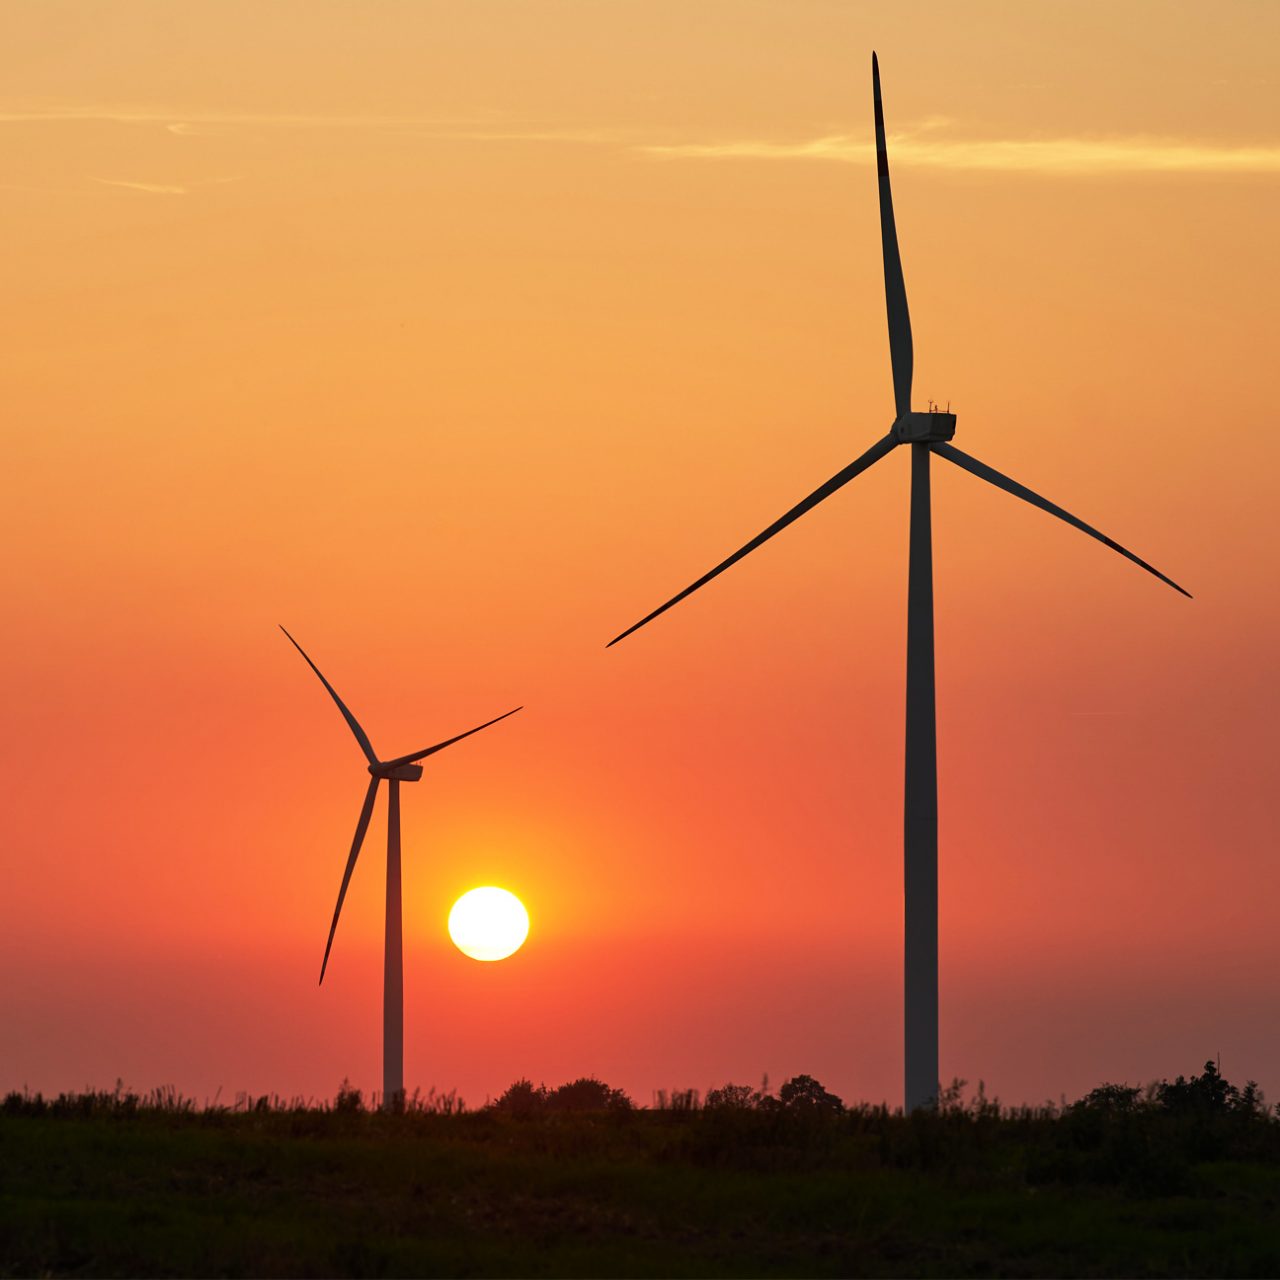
(488, 923)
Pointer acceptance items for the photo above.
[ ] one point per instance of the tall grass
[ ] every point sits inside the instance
(1144, 1139)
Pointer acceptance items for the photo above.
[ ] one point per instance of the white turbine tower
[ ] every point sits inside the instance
(927, 434)
(393, 772)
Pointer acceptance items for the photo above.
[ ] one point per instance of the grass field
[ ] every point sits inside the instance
(108, 1185)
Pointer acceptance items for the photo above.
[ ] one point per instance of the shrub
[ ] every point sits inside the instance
(348, 1101)
(588, 1094)
(581, 1096)
(1207, 1094)
(1111, 1099)
(805, 1095)
(732, 1097)
(522, 1100)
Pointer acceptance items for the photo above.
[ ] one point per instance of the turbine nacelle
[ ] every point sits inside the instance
(396, 772)
(919, 428)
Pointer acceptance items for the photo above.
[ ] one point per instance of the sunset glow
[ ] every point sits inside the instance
(458, 336)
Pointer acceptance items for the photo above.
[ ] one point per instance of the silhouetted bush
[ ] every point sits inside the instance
(804, 1094)
(747, 1128)
(1208, 1095)
(522, 1100)
(587, 1094)
(732, 1097)
(1111, 1100)
(581, 1096)
(349, 1100)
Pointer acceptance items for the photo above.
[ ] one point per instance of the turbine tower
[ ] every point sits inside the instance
(393, 772)
(927, 433)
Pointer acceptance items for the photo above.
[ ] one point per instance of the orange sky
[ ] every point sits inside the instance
(457, 337)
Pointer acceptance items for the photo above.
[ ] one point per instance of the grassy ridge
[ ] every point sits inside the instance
(1108, 1187)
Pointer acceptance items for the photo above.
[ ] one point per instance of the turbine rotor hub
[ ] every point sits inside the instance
(398, 773)
(921, 428)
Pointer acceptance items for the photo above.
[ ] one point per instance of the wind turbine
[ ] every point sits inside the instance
(927, 433)
(393, 772)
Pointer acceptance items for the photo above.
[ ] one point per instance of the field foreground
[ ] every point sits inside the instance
(89, 1186)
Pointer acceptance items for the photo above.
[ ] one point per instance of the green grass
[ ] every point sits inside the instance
(166, 1190)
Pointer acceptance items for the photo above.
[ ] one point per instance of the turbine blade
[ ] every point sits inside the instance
(837, 481)
(448, 742)
(992, 476)
(361, 737)
(895, 289)
(361, 827)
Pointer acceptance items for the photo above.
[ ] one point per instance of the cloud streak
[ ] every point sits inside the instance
(204, 123)
(1066, 156)
(166, 188)
(156, 188)
(930, 144)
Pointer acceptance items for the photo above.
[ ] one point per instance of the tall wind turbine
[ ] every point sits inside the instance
(928, 434)
(393, 772)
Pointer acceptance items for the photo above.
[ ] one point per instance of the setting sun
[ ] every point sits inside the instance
(488, 923)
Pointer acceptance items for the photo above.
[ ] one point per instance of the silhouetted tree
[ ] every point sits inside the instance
(523, 1100)
(1113, 1099)
(731, 1097)
(584, 1095)
(588, 1094)
(1207, 1094)
(805, 1094)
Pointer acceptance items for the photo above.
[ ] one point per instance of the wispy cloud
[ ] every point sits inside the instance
(200, 123)
(167, 188)
(186, 129)
(484, 128)
(500, 134)
(156, 188)
(927, 149)
(933, 143)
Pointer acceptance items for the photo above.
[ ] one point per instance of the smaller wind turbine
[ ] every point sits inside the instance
(394, 772)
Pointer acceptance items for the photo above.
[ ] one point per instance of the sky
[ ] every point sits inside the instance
(458, 336)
